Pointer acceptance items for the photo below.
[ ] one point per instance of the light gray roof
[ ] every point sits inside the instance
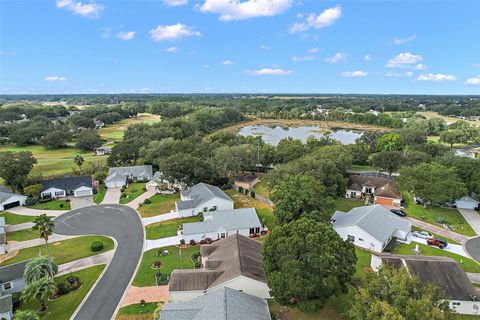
(221, 304)
(377, 221)
(188, 204)
(224, 220)
(6, 303)
(7, 194)
(12, 271)
(467, 199)
(132, 170)
(204, 192)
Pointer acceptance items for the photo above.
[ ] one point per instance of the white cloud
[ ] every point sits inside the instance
(404, 59)
(175, 3)
(324, 19)
(228, 62)
(303, 58)
(241, 10)
(475, 81)
(269, 71)
(126, 35)
(397, 74)
(420, 67)
(171, 49)
(367, 57)
(55, 79)
(172, 32)
(88, 10)
(354, 74)
(403, 40)
(436, 77)
(7, 53)
(339, 56)
(314, 50)
(265, 47)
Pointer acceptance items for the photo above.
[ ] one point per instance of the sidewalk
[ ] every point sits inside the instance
(36, 242)
(87, 262)
(460, 238)
(160, 218)
(149, 294)
(160, 243)
(36, 212)
(135, 203)
(18, 227)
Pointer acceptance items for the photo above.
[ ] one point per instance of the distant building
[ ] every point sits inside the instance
(98, 124)
(102, 151)
(202, 197)
(384, 191)
(78, 186)
(246, 181)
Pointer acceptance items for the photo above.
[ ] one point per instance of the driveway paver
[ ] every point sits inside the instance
(473, 219)
(81, 202)
(160, 243)
(112, 196)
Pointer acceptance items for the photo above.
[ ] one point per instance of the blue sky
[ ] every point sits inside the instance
(257, 46)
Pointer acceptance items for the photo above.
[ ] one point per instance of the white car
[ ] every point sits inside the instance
(422, 234)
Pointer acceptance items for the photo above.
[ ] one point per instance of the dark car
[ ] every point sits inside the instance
(399, 212)
(437, 242)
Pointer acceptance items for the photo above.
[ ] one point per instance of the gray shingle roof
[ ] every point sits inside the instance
(188, 204)
(224, 220)
(67, 183)
(375, 220)
(5, 194)
(134, 171)
(6, 303)
(13, 271)
(203, 192)
(221, 304)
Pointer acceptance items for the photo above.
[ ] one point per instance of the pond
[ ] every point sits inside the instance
(273, 134)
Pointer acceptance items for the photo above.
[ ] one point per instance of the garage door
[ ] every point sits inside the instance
(115, 184)
(11, 205)
(83, 193)
(384, 201)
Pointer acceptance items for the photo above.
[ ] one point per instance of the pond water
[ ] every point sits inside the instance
(273, 134)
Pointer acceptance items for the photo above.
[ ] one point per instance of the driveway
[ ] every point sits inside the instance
(160, 243)
(112, 196)
(473, 219)
(460, 238)
(124, 225)
(81, 202)
(102, 258)
(453, 248)
(135, 203)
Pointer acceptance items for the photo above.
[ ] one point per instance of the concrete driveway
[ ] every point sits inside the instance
(121, 223)
(112, 196)
(473, 219)
(135, 203)
(453, 248)
(81, 202)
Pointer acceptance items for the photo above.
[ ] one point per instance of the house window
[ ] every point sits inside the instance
(456, 304)
(205, 209)
(7, 286)
(351, 238)
(353, 194)
(214, 208)
(58, 193)
(368, 190)
(251, 231)
(257, 230)
(222, 235)
(360, 239)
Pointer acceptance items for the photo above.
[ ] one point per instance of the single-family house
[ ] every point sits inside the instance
(98, 124)
(159, 183)
(9, 199)
(443, 272)
(384, 191)
(120, 176)
(3, 235)
(222, 224)
(11, 277)
(370, 227)
(102, 151)
(466, 203)
(235, 262)
(221, 304)
(246, 181)
(6, 307)
(202, 197)
(78, 186)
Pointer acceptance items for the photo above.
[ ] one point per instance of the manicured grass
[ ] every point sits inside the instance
(54, 162)
(115, 131)
(345, 205)
(52, 205)
(23, 235)
(102, 190)
(63, 307)
(266, 216)
(468, 265)
(261, 189)
(363, 263)
(160, 204)
(146, 275)
(132, 191)
(431, 214)
(167, 228)
(63, 251)
(137, 310)
(12, 218)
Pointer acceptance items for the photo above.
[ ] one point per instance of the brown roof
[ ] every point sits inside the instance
(388, 191)
(383, 187)
(226, 259)
(247, 178)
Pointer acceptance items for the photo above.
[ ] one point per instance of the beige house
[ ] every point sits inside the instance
(246, 181)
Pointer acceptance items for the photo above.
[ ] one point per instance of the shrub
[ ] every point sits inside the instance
(45, 200)
(208, 240)
(182, 241)
(17, 300)
(30, 201)
(61, 205)
(147, 201)
(197, 260)
(61, 289)
(95, 191)
(252, 194)
(96, 246)
(144, 188)
(142, 303)
(192, 242)
(240, 189)
(246, 191)
(67, 200)
(161, 279)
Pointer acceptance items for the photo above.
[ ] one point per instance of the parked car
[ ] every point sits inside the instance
(422, 234)
(437, 242)
(399, 212)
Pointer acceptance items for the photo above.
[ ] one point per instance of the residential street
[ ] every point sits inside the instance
(122, 224)
(472, 246)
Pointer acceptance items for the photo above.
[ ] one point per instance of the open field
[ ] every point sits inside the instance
(160, 204)
(447, 119)
(63, 307)
(114, 132)
(167, 228)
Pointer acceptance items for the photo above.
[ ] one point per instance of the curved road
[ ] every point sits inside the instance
(121, 223)
(472, 247)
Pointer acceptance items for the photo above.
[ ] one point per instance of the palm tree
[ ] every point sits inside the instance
(78, 160)
(38, 268)
(26, 315)
(45, 226)
(40, 289)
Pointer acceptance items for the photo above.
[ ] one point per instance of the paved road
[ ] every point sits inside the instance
(472, 246)
(121, 223)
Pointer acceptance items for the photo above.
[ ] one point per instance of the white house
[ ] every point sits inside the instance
(102, 151)
(158, 182)
(80, 186)
(3, 236)
(370, 227)
(235, 262)
(466, 203)
(222, 224)
(202, 197)
(443, 272)
(6, 307)
(120, 176)
(11, 281)
(9, 199)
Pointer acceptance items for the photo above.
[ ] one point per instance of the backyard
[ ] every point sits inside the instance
(146, 274)
(345, 205)
(132, 191)
(63, 307)
(63, 251)
(52, 205)
(160, 204)
(115, 131)
(167, 228)
(261, 189)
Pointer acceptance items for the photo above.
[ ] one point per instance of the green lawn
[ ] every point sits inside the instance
(52, 205)
(22, 235)
(431, 214)
(64, 251)
(98, 198)
(115, 131)
(261, 189)
(266, 216)
(136, 310)
(363, 263)
(146, 275)
(12, 218)
(468, 265)
(167, 228)
(132, 191)
(160, 204)
(63, 307)
(345, 205)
